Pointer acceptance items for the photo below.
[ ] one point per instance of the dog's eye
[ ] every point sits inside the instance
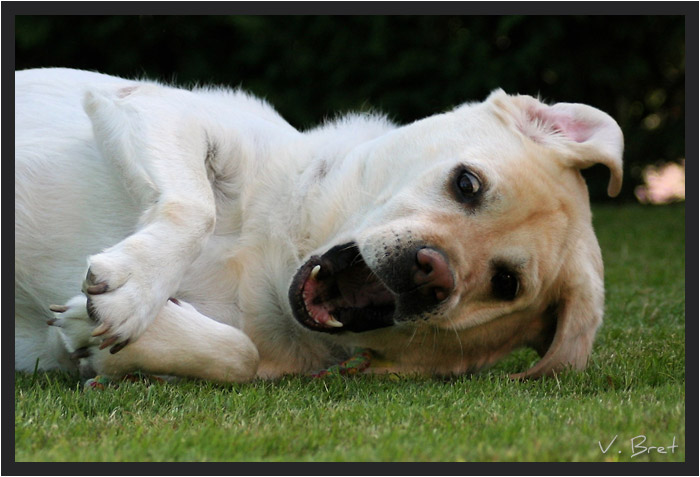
(505, 285)
(468, 185)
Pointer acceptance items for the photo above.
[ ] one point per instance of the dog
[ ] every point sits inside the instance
(196, 233)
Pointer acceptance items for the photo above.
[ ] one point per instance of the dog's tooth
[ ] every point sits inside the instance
(333, 322)
(313, 317)
(314, 271)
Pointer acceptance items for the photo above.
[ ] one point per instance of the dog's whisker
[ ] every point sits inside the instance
(422, 341)
(410, 340)
(356, 260)
(452, 324)
(436, 333)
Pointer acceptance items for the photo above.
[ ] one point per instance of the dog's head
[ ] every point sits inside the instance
(478, 240)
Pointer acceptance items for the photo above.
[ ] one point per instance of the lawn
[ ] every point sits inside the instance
(634, 386)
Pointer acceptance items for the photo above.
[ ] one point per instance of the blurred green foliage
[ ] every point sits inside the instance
(312, 67)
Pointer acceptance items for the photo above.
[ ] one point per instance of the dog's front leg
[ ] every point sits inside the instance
(179, 342)
(158, 145)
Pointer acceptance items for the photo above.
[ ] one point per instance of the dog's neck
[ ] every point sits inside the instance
(294, 210)
(336, 152)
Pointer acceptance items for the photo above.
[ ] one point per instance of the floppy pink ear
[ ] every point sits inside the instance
(579, 310)
(583, 135)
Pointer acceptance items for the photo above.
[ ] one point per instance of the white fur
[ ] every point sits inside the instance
(210, 197)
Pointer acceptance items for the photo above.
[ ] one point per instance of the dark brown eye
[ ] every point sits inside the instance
(504, 285)
(468, 185)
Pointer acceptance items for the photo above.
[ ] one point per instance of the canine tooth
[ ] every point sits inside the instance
(315, 270)
(333, 322)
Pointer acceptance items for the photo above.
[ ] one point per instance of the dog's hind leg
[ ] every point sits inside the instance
(179, 342)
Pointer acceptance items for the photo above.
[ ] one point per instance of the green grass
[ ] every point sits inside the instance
(634, 386)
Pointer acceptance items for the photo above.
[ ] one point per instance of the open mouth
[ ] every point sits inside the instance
(337, 292)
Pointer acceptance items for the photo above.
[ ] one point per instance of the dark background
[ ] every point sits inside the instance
(311, 67)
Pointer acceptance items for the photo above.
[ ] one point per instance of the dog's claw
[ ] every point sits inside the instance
(92, 288)
(58, 308)
(100, 330)
(118, 347)
(109, 341)
(80, 353)
(52, 322)
(92, 313)
(96, 289)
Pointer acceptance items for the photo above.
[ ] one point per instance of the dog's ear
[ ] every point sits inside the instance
(578, 309)
(582, 135)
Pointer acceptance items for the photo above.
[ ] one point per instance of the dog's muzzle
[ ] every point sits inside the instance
(338, 291)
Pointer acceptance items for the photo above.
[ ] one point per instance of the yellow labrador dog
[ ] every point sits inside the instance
(196, 233)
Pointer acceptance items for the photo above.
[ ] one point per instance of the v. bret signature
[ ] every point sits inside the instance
(638, 448)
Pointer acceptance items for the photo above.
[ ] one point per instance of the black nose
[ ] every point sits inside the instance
(433, 276)
(421, 278)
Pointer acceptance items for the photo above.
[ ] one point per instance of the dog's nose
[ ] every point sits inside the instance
(433, 277)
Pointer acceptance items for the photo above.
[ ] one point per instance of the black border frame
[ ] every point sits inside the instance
(687, 8)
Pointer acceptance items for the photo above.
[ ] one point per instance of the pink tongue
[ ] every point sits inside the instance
(319, 313)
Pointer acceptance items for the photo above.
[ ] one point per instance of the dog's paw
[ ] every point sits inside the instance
(75, 329)
(124, 294)
(75, 323)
